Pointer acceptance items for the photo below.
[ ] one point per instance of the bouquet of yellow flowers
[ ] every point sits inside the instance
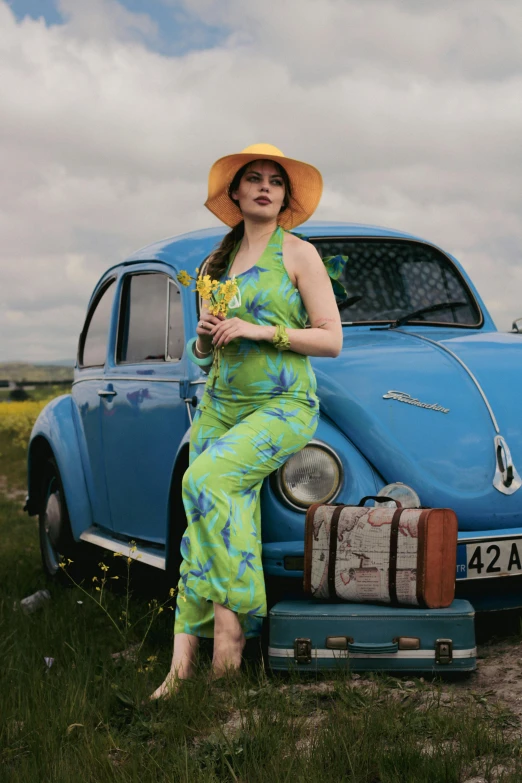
(219, 295)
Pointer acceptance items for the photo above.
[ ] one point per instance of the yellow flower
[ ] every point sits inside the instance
(214, 309)
(98, 589)
(103, 567)
(172, 591)
(184, 278)
(204, 287)
(117, 554)
(95, 579)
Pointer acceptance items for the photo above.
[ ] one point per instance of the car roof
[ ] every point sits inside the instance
(196, 245)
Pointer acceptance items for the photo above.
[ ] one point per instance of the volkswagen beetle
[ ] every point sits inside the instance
(423, 402)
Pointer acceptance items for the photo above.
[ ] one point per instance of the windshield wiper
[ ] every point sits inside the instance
(430, 309)
(350, 301)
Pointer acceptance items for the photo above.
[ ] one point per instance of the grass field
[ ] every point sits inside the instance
(83, 718)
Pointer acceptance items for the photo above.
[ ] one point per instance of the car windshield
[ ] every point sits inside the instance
(387, 279)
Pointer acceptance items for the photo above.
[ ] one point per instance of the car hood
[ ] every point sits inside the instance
(444, 444)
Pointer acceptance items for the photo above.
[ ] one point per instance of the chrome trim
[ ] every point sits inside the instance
(189, 410)
(464, 366)
(506, 478)
(487, 539)
(279, 485)
(106, 393)
(128, 378)
(93, 536)
(416, 241)
(500, 479)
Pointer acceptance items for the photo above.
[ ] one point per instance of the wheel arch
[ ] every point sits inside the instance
(54, 435)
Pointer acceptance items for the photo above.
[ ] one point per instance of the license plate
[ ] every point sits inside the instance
(487, 559)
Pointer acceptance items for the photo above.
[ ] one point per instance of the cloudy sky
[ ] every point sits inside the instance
(111, 113)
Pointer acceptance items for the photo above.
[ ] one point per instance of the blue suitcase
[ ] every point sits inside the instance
(309, 635)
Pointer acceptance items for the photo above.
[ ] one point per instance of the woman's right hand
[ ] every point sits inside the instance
(205, 324)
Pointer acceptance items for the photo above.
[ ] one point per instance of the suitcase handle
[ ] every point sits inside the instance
(373, 648)
(379, 500)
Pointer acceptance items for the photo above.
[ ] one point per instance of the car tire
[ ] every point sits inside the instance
(57, 543)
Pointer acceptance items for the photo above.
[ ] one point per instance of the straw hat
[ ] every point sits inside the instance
(306, 181)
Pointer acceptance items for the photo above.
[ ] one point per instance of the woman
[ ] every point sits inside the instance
(259, 406)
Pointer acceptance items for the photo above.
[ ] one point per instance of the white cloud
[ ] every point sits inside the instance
(411, 111)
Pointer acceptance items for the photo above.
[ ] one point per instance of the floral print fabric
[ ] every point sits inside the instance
(259, 410)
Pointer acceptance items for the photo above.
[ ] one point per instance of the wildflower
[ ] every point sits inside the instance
(62, 564)
(172, 591)
(129, 560)
(152, 658)
(204, 287)
(98, 589)
(115, 577)
(117, 554)
(104, 567)
(184, 278)
(69, 561)
(160, 610)
(95, 579)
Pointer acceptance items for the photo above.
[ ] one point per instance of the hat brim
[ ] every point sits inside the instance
(306, 181)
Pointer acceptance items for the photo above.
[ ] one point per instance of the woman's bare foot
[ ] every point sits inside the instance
(181, 668)
(229, 641)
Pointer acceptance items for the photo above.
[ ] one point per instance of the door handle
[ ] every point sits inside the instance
(106, 392)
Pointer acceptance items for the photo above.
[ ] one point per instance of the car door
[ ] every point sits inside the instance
(146, 416)
(87, 395)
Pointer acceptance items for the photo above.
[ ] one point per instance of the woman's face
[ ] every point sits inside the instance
(261, 191)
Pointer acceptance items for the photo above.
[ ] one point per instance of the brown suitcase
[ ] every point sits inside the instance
(397, 556)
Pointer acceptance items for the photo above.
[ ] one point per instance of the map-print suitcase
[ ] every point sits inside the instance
(311, 635)
(397, 556)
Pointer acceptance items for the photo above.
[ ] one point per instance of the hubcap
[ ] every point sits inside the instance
(53, 529)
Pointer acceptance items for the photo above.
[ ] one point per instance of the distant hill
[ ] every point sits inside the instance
(22, 371)
(56, 363)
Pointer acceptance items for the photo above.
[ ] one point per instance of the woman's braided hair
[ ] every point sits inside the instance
(217, 263)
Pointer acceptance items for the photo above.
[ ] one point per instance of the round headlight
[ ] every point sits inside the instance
(313, 475)
(404, 494)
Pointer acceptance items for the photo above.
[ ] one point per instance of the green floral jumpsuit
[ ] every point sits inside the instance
(261, 409)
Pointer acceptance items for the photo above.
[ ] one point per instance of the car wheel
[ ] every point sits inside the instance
(56, 538)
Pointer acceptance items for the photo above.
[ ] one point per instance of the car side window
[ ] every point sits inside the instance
(151, 319)
(93, 347)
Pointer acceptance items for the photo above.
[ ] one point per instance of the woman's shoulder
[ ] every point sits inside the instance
(297, 248)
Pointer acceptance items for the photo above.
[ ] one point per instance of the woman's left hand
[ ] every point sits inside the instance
(232, 329)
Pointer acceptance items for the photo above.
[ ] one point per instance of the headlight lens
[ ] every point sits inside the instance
(404, 494)
(313, 475)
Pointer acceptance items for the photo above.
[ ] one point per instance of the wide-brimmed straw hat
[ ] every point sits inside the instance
(306, 181)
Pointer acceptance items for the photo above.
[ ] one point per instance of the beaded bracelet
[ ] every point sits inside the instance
(193, 358)
(281, 341)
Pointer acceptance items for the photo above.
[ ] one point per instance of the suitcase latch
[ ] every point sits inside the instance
(444, 651)
(303, 650)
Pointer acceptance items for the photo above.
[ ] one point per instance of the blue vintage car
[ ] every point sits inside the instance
(423, 401)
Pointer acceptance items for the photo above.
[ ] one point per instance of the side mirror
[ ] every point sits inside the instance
(517, 325)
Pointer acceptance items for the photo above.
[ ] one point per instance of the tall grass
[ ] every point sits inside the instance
(86, 718)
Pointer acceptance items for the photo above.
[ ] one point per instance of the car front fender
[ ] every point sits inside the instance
(55, 435)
